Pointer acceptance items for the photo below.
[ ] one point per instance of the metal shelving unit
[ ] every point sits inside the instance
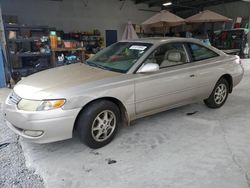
(24, 49)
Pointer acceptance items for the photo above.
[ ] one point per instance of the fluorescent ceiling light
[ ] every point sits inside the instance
(167, 4)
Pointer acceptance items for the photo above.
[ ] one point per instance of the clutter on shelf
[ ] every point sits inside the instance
(62, 56)
(68, 48)
(29, 49)
(91, 41)
(35, 48)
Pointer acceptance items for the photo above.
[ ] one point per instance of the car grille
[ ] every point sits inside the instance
(14, 98)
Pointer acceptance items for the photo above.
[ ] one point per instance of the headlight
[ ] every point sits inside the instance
(32, 105)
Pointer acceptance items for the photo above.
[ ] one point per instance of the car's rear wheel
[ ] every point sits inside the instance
(219, 95)
(98, 123)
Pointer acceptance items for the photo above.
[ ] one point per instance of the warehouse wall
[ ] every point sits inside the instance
(74, 15)
(233, 10)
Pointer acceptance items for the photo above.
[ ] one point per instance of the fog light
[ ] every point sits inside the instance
(33, 133)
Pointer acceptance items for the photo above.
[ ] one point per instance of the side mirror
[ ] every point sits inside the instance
(149, 67)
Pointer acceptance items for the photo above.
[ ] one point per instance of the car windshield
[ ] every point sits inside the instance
(119, 57)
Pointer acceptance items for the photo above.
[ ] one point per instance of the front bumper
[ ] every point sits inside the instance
(55, 125)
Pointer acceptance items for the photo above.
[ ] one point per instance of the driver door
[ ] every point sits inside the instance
(170, 86)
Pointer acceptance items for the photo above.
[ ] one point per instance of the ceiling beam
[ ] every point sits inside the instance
(184, 4)
(202, 4)
(157, 2)
(141, 1)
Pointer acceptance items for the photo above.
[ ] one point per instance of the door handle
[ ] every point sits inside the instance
(192, 75)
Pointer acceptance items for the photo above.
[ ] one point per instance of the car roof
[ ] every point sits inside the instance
(157, 40)
(161, 40)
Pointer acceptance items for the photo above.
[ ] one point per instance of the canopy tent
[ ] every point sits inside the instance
(207, 16)
(129, 32)
(164, 19)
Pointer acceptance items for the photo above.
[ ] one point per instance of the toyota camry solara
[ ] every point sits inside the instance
(126, 81)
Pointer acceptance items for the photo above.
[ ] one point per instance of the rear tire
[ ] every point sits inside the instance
(219, 95)
(98, 123)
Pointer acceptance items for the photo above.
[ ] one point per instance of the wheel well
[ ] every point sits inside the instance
(229, 79)
(124, 114)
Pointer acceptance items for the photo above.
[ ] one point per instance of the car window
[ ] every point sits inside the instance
(199, 52)
(168, 55)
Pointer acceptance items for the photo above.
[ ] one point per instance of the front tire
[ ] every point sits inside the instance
(219, 95)
(98, 123)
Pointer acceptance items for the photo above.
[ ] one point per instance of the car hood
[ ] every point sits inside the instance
(45, 84)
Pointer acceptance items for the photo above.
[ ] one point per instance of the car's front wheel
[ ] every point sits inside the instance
(98, 123)
(219, 95)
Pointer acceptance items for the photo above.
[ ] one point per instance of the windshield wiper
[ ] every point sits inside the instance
(96, 65)
(103, 67)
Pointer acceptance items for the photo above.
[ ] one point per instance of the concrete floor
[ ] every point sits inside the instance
(13, 170)
(210, 148)
(4, 92)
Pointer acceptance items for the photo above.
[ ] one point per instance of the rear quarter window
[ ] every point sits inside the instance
(199, 52)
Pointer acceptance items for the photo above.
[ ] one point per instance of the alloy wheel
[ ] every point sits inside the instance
(103, 125)
(220, 94)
